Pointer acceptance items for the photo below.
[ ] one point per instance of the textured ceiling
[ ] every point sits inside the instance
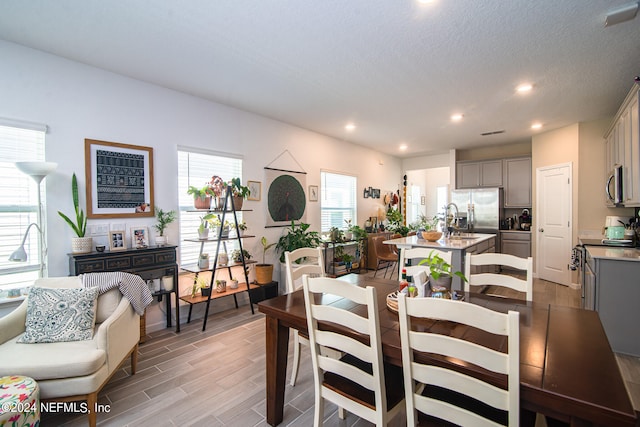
(397, 68)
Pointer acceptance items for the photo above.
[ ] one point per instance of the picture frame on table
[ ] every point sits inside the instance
(117, 240)
(139, 237)
(313, 193)
(119, 180)
(255, 190)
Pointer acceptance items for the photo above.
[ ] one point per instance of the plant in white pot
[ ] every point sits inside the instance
(164, 219)
(79, 244)
(440, 274)
(203, 230)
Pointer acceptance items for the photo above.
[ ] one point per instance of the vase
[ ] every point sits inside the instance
(203, 263)
(81, 245)
(223, 258)
(238, 202)
(203, 234)
(202, 202)
(221, 286)
(161, 240)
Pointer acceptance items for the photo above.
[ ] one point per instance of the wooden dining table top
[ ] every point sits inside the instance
(567, 368)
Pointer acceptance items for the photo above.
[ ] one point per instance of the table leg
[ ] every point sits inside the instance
(277, 347)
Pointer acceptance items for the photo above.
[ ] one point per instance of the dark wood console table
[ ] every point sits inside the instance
(153, 262)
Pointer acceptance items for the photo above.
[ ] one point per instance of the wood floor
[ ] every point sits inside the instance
(216, 378)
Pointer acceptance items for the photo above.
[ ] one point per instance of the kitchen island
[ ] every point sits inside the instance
(459, 246)
(611, 288)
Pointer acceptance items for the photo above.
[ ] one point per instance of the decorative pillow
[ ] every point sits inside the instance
(57, 315)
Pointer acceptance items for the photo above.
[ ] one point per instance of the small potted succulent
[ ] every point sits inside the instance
(236, 257)
(203, 261)
(203, 229)
(233, 284)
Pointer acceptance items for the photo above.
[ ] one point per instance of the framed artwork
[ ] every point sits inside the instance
(139, 237)
(255, 190)
(422, 200)
(367, 192)
(313, 193)
(116, 241)
(375, 193)
(119, 179)
(286, 199)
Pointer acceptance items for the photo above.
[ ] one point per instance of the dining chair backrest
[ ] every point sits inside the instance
(441, 389)
(363, 364)
(410, 258)
(502, 280)
(312, 263)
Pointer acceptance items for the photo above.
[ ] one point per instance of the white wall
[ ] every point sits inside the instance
(77, 101)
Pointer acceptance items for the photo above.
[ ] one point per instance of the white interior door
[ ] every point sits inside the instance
(553, 224)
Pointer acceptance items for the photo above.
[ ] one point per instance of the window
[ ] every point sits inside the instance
(338, 200)
(19, 201)
(196, 168)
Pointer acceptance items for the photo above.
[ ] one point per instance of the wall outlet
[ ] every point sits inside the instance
(99, 229)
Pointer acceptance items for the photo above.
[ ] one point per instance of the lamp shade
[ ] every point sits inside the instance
(19, 255)
(36, 170)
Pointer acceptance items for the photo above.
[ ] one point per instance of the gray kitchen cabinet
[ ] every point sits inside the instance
(475, 174)
(516, 243)
(589, 291)
(612, 288)
(517, 182)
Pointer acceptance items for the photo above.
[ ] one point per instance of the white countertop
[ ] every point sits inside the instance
(470, 239)
(608, 252)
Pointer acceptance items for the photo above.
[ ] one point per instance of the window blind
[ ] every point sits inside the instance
(337, 200)
(195, 168)
(19, 200)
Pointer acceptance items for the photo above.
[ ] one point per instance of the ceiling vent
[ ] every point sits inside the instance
(495, 132)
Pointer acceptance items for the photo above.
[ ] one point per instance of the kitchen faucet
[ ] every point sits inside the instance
(455, 217)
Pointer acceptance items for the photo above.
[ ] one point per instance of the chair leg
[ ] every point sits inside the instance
(92, 400)
(134, 359)
(296, 359)
(342, 414)
(318, 411)
(377, 265)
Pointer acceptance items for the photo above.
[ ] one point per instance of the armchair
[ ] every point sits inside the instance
(75, 370)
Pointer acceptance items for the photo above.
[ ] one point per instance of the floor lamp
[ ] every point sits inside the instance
(38, 171)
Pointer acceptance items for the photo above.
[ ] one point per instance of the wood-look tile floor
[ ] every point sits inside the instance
(217, 377)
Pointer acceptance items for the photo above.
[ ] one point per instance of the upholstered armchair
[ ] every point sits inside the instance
(73, 370)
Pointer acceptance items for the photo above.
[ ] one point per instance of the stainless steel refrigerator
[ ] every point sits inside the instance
(483, 209)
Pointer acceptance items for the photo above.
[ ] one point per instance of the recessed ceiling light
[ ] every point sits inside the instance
(403, 147)
(350, 127)
(456, 117)
(524, 88)
(536, 126)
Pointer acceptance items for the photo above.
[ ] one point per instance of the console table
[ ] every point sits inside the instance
(153, 262)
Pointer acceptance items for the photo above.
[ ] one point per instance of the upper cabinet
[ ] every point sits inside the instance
(475, 174)
(517, 182)
(622, 147)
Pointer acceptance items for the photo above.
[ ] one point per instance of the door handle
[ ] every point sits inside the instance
(541, 230)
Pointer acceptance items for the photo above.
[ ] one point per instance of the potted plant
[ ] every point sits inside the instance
(360, 235)
(201, 196)
(264, 271)
(80, 243)
(234, 283)
(336, 235)
(236, 257)
(239, 193)
(221, 286)
(203, 261)
(440, 274)
(203, 230)
(348, 261)
(164, 219)
(242, 227)
(218, 186)
(297, 237)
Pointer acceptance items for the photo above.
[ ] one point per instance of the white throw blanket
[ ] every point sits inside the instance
(131, 286)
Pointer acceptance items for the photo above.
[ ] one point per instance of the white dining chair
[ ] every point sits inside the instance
(442, 390)
(298, 262)
(359, 382)
(525, 265)
(410, 258)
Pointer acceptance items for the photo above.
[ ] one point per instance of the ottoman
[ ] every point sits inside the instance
(19, 401)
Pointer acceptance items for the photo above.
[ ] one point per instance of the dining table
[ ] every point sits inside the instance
(568, 371)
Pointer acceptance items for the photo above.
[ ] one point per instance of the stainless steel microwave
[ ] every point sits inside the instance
(614, 188)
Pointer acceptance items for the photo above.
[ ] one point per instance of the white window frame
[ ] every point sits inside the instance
(333, 194)
(20, 141)
(198, 173)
